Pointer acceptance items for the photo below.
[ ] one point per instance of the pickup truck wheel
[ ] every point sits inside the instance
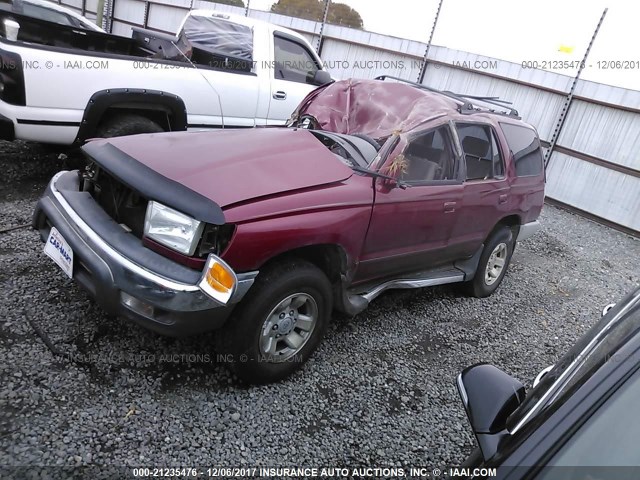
(279, 323)
(123, 124)
(493, 263)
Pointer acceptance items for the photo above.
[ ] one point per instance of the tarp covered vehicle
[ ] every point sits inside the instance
(261, 233)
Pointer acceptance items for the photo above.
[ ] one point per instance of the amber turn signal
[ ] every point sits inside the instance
(218, 279)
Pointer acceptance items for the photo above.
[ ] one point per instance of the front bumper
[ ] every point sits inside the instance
(7, 130)
(123, 276)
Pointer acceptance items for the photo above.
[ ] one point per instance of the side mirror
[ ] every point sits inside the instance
(606, 309)
(11, 29)
(489, 396)
(542, 373)
(321, 78)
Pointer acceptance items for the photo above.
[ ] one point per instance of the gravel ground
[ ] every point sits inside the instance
(380, 390)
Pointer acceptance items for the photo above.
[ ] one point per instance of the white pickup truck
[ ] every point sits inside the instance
(64, 84)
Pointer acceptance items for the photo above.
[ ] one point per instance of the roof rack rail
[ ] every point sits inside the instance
(467, 105)
(496, 101)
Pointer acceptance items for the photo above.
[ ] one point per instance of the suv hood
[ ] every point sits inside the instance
(231, 166)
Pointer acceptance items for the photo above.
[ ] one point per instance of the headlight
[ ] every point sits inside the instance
(172, 228)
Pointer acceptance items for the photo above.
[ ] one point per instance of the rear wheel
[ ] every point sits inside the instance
(493, 263)
(117, 125)
(122, 124)
(279, 323)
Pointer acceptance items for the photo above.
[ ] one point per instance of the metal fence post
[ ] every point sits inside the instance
(110, 9)
(423, 70)
(569, 99)
(145, 20)
(324, 21)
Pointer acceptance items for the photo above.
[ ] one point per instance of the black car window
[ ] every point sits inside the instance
(293, 61)
(588, 354)
(481, 153)
(428, 157)
(609, 437)
(525, 146)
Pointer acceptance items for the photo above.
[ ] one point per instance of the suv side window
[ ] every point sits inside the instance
(293, 61)
(525, 147)
(428, 157)
(609, 437)
(481, 153)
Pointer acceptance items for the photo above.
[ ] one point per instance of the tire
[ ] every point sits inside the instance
(254, 325)
(489, 275)
(123, 124)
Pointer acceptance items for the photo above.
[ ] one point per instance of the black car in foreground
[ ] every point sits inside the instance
(581, 420)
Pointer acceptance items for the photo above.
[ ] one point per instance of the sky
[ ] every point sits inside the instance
(515, 30)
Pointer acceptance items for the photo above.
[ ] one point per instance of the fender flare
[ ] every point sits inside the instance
(132, 98)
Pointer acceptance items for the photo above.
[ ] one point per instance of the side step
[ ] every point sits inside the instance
(419, 280)
(355, 301)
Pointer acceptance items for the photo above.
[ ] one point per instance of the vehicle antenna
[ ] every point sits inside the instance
(205, 79)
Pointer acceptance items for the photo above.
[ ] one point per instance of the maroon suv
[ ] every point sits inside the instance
(261, 233)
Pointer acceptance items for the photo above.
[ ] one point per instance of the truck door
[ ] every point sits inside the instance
(292, 75)
(411, 227)
(223, 88)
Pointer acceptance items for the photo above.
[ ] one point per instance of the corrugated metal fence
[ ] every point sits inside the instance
(595, 167)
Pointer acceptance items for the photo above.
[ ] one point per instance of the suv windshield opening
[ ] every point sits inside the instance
(353, 151)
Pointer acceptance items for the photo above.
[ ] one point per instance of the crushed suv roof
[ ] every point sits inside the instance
(378, 109)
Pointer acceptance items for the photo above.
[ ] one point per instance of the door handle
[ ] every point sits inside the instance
(280, 95)
(449, 207)
(503, 199)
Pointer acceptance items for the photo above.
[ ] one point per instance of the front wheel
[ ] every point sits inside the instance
(493, 263)
(279, 323)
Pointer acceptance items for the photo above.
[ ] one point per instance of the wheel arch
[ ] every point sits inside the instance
(512, 222)
(331, 259)
(166, 109)
(334, 261)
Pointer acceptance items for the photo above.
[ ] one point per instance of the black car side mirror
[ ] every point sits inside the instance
(606, 309)
(490, 396)
(321, 77)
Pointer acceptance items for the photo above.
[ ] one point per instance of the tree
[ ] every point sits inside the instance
(342, 14)
(233, 3)
(339, 13)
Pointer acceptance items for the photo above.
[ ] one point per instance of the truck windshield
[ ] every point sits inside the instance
(220, 36)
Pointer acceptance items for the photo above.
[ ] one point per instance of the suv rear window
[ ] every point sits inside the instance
(525, 146)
